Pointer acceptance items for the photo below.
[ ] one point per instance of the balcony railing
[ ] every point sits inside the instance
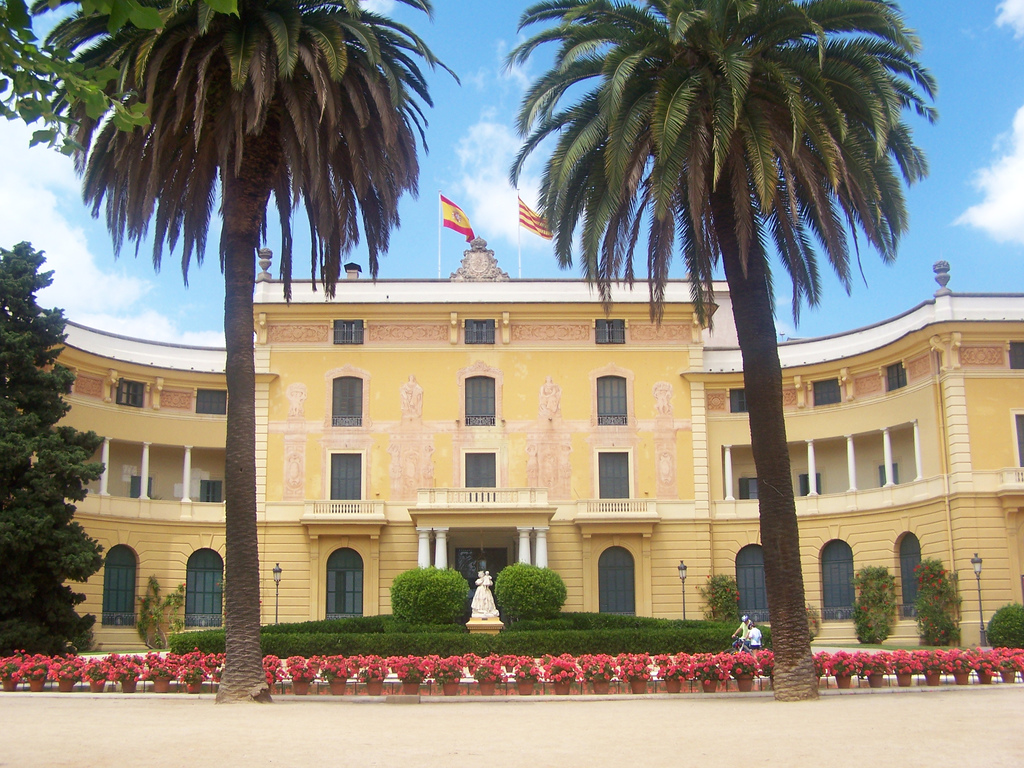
(482, 497)
(118, 619)
(203, 619)
(479, 421)
(616, 506)
(1012, 477)
(844, 613)
(346, 508)
(613, 420)
(346, 421)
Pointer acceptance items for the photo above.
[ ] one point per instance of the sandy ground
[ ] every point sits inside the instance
(947, 726)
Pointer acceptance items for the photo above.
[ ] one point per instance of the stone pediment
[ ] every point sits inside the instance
(479, 265)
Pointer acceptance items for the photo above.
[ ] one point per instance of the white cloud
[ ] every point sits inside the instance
(1001, 212)
(39, 198)
(1010, 13)
(383, 7)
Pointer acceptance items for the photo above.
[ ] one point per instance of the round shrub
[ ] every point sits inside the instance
(429, 596)
(1006, 627)
(527, 592)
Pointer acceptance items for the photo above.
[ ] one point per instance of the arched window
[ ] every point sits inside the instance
(203, 576)
(347, 402)
(615, 582)
(837, 580)
(910, 558)
(119, 587)
(750, 580)
(344, 584)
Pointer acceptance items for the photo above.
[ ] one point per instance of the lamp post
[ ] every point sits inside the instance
(277, 590)
(682, 579)
(976, 562)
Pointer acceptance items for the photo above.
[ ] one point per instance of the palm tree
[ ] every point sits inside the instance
(316, 100)
(733, 128)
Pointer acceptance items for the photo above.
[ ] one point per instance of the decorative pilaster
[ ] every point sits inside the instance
(524, 545)
(541, 560)
(144, 480)
(423, 555)
(728, 473)
(851, 464)
(186, 474)
(440, 547)
(105, 458)
(812, 470)
(887, 458)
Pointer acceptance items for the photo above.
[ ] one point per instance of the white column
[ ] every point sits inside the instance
(851, 463)
(186, 475)
(917, 450)
(542, 548)
(440, 547)
(728, 473)
(144, 480)
(423, 556)
(812, 470)
(105, 458)
(887, 457)
(524, 545)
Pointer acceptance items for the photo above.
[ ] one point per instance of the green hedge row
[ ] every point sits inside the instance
(360, 625)
(702, 638)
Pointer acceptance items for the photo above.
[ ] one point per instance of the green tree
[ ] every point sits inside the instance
(43, 470)
(938, 604)
(313, 101)
(721, 597)
(729, 129)
(874, 610)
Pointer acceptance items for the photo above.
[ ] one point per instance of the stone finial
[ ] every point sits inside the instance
(265, 257)
(478, 264)
(941, 270)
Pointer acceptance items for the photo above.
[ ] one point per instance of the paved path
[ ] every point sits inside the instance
(932, 728)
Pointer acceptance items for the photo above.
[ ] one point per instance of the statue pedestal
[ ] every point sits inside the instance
(485, 626)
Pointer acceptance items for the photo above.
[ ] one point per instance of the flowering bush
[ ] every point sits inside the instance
(906, 662)
(709, 666)
(599, 667)
(740, 664)
(449, 669)
(336, 668)
(97, 670)
(875, 605)
(634, 666)
(937, 604)
(301, 670)
(843, 664)
(372, 668)
(561, 669)
(766, 663)
(524, 668)
(488, 669)
(67, 668)
(722, 597)
(273, 670)
(410, 669)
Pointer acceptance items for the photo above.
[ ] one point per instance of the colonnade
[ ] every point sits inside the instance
(539, 550)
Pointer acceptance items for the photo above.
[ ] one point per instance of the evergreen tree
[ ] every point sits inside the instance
(43, 468)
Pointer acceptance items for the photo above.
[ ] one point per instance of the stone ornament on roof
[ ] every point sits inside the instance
(478, 264)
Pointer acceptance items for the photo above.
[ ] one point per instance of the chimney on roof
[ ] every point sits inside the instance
(352, 270)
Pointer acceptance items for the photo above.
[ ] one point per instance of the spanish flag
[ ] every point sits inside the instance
(453, 217)
(533, 221)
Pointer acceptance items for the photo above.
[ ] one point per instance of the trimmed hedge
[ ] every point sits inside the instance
(676, 637)
(1006, 627)
(429, 596)
(527, 592)
(359, 625)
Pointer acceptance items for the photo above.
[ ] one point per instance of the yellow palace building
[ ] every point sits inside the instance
(479, 421)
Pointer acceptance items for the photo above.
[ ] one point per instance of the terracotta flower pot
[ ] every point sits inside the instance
(338, 686)
(562, 689)
(932, 678)
(745, 683)
(10, 684)
(36, 684)
(876, 680)
(198, 687)
(709, 686)
(962, 678)
(843, 682)
(66, 685)
(1008, 675)
(985, 678)
(410, 689)
(97, 686)
(161, 685)
(487, 688)
(638, 686)
(673, 685)
(374, 687)
(450, 689)
(129, 686)
(601, 687)
(525, 687)
(904, 679)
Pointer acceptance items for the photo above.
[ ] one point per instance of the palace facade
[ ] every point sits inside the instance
(479, 421)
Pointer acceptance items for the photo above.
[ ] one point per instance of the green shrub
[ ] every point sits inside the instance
(937, 604)
(722, 598)
(874, 610)
(527, 592)
(358, 625)
(429, 596)
(1006, 627)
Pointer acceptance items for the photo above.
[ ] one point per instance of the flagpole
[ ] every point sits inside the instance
(519, 235)
(440, 216)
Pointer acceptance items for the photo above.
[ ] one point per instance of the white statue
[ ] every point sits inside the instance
(412, 399)
(483, 600)
(550, 399)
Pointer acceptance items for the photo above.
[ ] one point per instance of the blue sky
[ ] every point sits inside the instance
(969, 211)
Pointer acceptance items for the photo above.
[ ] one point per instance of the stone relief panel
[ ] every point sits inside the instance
(550, 406)
(662, 392)
(919, 367)
(551, 332)
(478, 264)
(789, 398)
(411, 400)
(176, 400)
(988, 357)
(296, 394)
(666, 469)
(298, 334)
(867, 385)
(294, 469)
(548, 465)
(385, 333)
(671, 332)
(717, 400)
(88, 386)
(412, 466)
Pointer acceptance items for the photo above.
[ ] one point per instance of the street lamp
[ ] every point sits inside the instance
(277, 589)
(976, 562)
(682, 578)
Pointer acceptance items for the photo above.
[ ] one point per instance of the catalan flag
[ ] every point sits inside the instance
(533, 221)
(453, 217)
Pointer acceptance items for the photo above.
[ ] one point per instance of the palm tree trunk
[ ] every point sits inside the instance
(245, 201)
(762, 377)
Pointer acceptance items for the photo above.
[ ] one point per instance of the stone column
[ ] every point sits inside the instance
(917, 450)
(851, 463)
(186, 474)
(541, 561)
(423, 556)
(728, 474)
(105, 458)
(887, 458)
(440, 547)
(144, 480)
(524, 545)
(812, 470)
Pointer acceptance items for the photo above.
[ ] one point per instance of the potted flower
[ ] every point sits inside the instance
(336, 670)
(9, 668)
(488, 673)
(97, 671)
(673, 670)
(1011, 661)
(766, 664)
(985, 664)
(410, 670)
(958, 664)
(934, 663)
(192, 671)
(905, 665)
(821, 660)
(67, 671)
(125, 670)
(273, 670)
(35, 669)
(561, 671)
(636, 668)
(710, 668)
(844, 666)
(742, 666)
(448, 673)
(875, 666)
(372, 671)
(598, 670)
(302, 671)
(526, 673)
(214, 664)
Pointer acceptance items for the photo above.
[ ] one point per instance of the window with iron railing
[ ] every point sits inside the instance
(611, 401)
(480, 410)
(348, 331)
(479, 331)
(347, 405)
(610, 331)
